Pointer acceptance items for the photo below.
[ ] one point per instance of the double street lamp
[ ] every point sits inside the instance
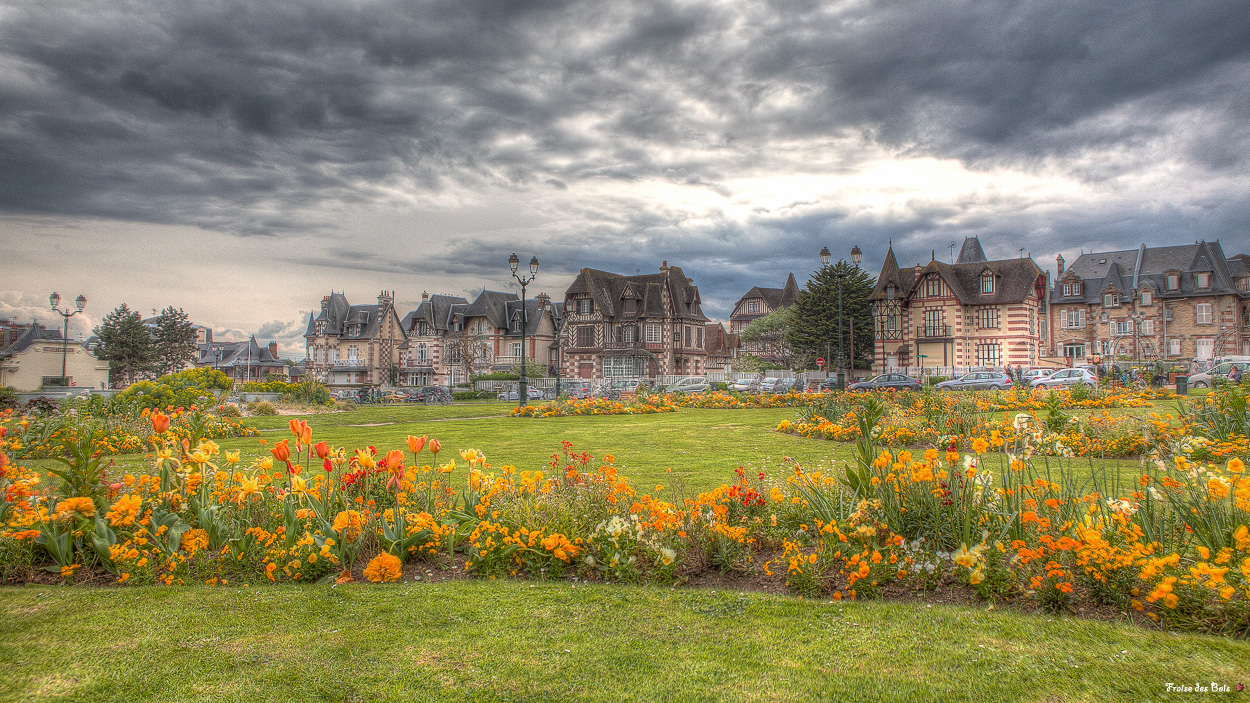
(81, 302)
(856, 255)
(514, 263)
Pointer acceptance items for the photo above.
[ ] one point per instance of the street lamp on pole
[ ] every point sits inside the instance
(81, 302)
(856, 256)
(514, 263)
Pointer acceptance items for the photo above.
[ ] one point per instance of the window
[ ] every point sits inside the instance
(1204, 348)
(686, 336)
(1147, 327)
(987, 318)
(987, 283)
(629, 334)
(585, 306)
(1072, 319)
(1173, 281)
(890, 291)
(891, 320)
(699, 343)
(1123, 327)
(1072, 289)
(988, 354)
(934, 323)
(1202, 280)
(630, 306)
(1074, 350)
(653, 333)
(753, 306)
(622, 367)
(1111, 300)
(1105, 346)
(515, 348)
(1174, 347)
(1202, 313)
(1243, 284)
(423, 352)
(933, 287)
(1147, 298)
(585, 336)
(516, 324)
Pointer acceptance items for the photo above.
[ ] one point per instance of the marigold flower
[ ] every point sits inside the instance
(72, 507)
(383, 568)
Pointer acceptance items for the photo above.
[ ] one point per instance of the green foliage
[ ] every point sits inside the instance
(173, 341)
(533, 369)
(770, 332)
(8, 398)
(83, 474)
(474, 395)
(229, 410)
(262, 408)
(126, 343)
(306, 391)
(268, 386)
(185, 388)
(814, 331)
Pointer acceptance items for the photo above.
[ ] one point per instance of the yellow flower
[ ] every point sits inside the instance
(72, 507)
(979, 445)
(1236, 465)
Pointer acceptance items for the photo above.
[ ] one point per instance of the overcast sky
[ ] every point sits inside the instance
(242, 159)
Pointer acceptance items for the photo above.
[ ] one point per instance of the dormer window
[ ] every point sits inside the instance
(1111, 300)
(890, 292)
(1072, 289)
(1243, 284)
(987, 283)
(1147, 298)
(1202, 280)
(753, 306)
(932, 287)
(585, 306)
(516, 323)
(629, 306)
(1173, 281)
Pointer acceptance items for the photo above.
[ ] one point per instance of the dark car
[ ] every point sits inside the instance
(886, 381)
(992, 380)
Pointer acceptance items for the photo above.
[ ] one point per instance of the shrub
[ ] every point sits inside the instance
(185, 388)
(307, 391)
(229, 410)
(261, 409)
(474, 395)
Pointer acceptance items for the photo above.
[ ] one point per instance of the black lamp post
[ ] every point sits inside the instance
(81, 302)
(514, 263)
(856, 255)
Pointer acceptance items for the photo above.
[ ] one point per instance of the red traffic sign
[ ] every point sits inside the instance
(820, 361)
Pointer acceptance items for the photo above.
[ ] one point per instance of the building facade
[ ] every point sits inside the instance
(241, 361)
(972, 313)
(354, 344)
(33, 360)
(633, 326)
(1186, 302)
(424, 360)
(757, 303)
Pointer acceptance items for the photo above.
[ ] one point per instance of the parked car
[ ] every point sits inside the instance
(577, 388)
(618, 388)
(1064, 378)
(766, 386)
(1033, 374)
(886, 381)
(690, 384)
(785, 385)
(992, 380)
(513, 394)
(1219, 373)
(746, 385)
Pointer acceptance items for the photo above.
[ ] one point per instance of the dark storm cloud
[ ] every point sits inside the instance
(268, 118)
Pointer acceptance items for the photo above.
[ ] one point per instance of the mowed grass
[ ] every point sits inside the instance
(686, 451)
(518, 641)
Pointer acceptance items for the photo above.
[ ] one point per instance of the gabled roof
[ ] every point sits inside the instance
(718, 342)
(775, 298)
(606, 289)
(347, 321)
(236, 354)
(492, 305)
(1015, 280)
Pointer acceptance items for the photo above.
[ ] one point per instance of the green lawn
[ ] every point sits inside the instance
(517, 641)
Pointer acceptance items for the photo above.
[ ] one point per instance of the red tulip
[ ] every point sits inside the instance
(160, 422)
(323, 450)
(327, 465)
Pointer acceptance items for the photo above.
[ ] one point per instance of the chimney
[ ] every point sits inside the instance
(664, 267)
(325, 303)
(273, 349)
(1059, 263)
(384, 299)
(919, 268)
(543, 299)
(425, 296)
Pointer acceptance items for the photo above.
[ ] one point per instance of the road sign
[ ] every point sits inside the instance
(820, 361)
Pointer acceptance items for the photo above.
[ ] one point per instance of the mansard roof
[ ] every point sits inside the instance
(1149, 267)
(342, 318)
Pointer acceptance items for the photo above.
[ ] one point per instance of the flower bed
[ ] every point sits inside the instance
(596, 406)
(1171, 544)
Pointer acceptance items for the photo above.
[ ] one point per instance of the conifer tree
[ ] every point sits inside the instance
(814, 329)
(126, 343)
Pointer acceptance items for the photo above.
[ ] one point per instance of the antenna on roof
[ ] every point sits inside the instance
(1021, 252)
(952, 248)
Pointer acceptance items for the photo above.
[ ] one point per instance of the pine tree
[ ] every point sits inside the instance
(126, 343)
(174, 341)
(814, 330)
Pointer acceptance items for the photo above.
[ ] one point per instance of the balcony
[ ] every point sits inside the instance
(933, 331)
(419, 364)
(350, 365)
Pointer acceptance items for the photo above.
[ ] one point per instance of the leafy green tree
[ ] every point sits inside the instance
(174, 341)
(182, 389)
(769, 332)
(126, 343)
(814, 330)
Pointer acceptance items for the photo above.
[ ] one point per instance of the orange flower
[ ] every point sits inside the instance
(323, 450)
(160, 422)
(415, 444)
(281, 451)
(435, 446)
(394, 460)
(384, 567)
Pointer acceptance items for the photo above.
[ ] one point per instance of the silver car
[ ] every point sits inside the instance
(992, 380)
(1064, 378)
(1208, 378)
(691, 384)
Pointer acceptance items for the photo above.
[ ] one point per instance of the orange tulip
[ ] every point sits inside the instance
(394, 460)
(327, 465)
(160, 422)
(281, 451)
(415, 443)
(306, 436)
(294, 427)
(323, 450)
(435, 446)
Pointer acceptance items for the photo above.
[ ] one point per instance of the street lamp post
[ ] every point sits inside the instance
(514, 263)
(81, 302)
(856, 255)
